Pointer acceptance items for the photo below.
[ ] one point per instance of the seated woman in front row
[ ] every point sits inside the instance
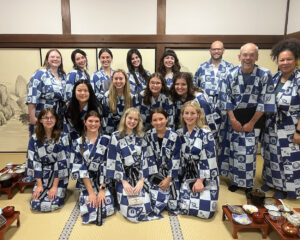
(165, 143)
(88, 161)
(48, 162)
(200, 183)
(126, 163)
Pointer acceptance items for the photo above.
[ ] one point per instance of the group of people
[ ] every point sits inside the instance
(145, 143)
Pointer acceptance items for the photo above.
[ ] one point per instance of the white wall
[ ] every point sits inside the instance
(246, 17)
(30, 17)
(294, 22)
(113, 16)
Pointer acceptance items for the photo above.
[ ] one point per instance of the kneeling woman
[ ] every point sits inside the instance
(88, 161)
(126, 163)
(199, 189)
(48, 162)
(165, 143)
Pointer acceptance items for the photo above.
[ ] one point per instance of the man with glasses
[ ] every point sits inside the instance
(245, 94)
(211, 72)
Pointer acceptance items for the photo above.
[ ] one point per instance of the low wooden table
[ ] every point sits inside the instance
(236, 227)
(9, 221)
(22, 185)
(15, 182)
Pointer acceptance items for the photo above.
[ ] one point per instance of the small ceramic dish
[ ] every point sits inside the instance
(235, 209)
(271, 207)
(241, 219)
(19, 171)
(9, 165)
(274, 215)
(250, 208)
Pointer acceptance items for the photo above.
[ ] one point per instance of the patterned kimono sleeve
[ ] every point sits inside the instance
(71, 77)
(35, 87)
(79, 169)
(207, 165)
(96, 84)
(224, 98)
(266, 99)
(63, 157)
(104, 145)
(106, 110)
(114, 164)
(169, 107)
(174, 162)
(33, 162)
(149, 166)
(197, 80)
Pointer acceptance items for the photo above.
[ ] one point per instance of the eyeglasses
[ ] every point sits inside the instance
(48, 118)
(155, 83)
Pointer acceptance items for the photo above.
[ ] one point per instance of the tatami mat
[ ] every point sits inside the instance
(49, 226)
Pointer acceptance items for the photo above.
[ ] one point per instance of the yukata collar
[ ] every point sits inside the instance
(195, 130)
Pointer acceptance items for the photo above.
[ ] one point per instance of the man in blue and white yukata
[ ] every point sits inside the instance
(210, 73)
(247, 87)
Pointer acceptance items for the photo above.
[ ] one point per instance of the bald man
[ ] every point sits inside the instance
(209, 73)
(245, 94)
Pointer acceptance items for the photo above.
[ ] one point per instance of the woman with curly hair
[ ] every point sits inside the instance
(199, 189)
(48, 162)
(137, 75)
(169, 66)
(281, 136)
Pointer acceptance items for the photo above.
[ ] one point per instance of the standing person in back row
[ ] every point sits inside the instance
(245, 94)
(209, 74)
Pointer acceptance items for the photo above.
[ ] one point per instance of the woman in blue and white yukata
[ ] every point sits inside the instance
(102, 78)
(48, 162)
(155, 95)
(281, 138)
(88, 160)
(183, 90)
(169, 66)
(129, 162)
(200, 182)
(82, 101)
(79, 72)
(137, 75)
(116, 101)
(46, 88)
(165, 144)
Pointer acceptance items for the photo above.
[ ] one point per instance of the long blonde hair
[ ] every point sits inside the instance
(201, 122)
(138, 130)
(113, 93)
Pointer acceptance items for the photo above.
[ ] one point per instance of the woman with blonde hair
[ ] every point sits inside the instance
(128, 164)
(116, 101)
(48, 162)
(46, 88)
(199, 189)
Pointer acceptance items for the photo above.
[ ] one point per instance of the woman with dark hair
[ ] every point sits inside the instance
(199, 189)
(137, 75)
(169, 66)
(48, 162)
(46, 88)
(88, 161)
(102, 78)
(116, 101)
(165, 144)
(80, 64)
(183, 90)
(127, 164)
(281, 136)
(155, 95)
(82, 101)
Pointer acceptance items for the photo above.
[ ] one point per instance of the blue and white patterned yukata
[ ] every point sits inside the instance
(237, 159)
(281, 157)
(48, 161)
(91, 164)
(206, 79)
(168, 162)
(101, 82)
(126, 161)
(45, 91)
(198, 160)
(163, 101)
(111, 120)
(73, 77)
(169, 80)
(135, 88)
